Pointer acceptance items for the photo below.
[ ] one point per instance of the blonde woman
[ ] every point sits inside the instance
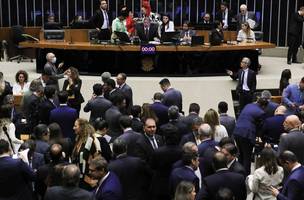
(219, 131)
(245, 34)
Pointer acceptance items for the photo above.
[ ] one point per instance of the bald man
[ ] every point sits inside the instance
(294, 139)
(246, 16)
(273, 126)
(52, 71)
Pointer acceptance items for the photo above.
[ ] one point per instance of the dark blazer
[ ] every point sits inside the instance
(173, 97)
(110, 189)
(74, 90)
(228, 122)
(65, 117)
(67, 193)
(202, 147)
(112, 116)
(187, 138)
(127, 92)
(216, 37)
(251, 15)
(220, 16)
(15, 179)
(32, 111)
(161, 112)
(295, 24)
(223, 179)
(7, 90)
(41, 146)
(294, 142)
(153, 32)
(251, 80)
(237, 167)
(98, 107)
(183, 174)
(45, 108)
(182, 128)
(130, 137)
(189, 119)
(129, 168)
(271, 107)
(161, 162)
(273, 128)
(294, 186)
(97, 19)
(37, 160)
(106, 151)
(54, 74)
(137, 125)
(143, 147)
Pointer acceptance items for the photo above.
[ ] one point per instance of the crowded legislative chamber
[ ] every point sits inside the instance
(151, 100)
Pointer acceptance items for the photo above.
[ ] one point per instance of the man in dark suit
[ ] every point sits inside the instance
(205, 135)
(159, 108)
(35, 159)
(65, 116)
(42, 136)
(108, 187)
(249, 121)
(294, 139)
(129, 136)
(149, 141)
(233, 165)
(70, 189)
(272, 106)
(130, 168)
(246, 85)
(295, 35)
(225, 119)
(47, 105)
(137, 124)
(110, 89)
(193, 135)
(126, 90)
(224, 15)
(171, 96)
(217, 35)
(223, 178)
(98, 105)
(246, 16)
(294, 185)
(101, 21)
(52, 71)
(161, 162)
(147, 31)
(194, 111)
(113, 114)
(15, 176)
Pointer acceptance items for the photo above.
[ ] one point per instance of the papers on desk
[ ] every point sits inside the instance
(154, 42)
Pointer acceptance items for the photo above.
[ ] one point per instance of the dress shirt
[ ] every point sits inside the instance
(296, 167)
(245, 86)
(105, 24)
(225, 18)
(242, 36)
(293, 94)
(230, 163)
(152, 141)
(18, 90)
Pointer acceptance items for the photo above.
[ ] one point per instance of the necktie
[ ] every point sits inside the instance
(243, 18)
(242, 77)
(147, 33)
(154, 145)
(106, 17)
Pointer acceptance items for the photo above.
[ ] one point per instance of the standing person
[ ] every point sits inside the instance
(246, 82)
(171, 96)
(292, 97)
(52, 71)
(224, 15)
(73, 86)
(22, 85)
(225, 119)
(219, 131)
(5, 88)
(294, 35)
(125, 89)
(246, 16)
(101, 21)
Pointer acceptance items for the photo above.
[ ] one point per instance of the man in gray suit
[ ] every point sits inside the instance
(225, 119)
(98, 105)
(52, 71)
(294, 139)
(246, 16)
(125, 89)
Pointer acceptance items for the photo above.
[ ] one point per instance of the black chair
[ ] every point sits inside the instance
(16, 32)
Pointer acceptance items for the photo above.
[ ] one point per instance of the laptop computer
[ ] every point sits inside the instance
(171, 37)
(197, 40)
(123, 37)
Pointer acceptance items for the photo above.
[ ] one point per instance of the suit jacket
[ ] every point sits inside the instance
(32, 111)
(15, 179)
(131, 168)
(45, 108)
(248, 121)
(112, 116)
(295, 24)
(161, 112)
(97, 19)
(106, 151)
(237, 167)
(271, 107)
(65, 117)
(202, 147)
(173, 97)
(294, 142)
(143, 147)
(67, 193)
(220, 16)
(7, 90)
(153, 32)
(98, 107)
(137, 125)
(54, 74)
(228, 122)
(223, 179)
(293, 186)
(189, 119)
(182, 128)
(251, 15)
(37, 160)
(216, 37)
(127, 92)
(73, 90)
(130, 137)
(110, 189)
(188, 138)
(251, 80)
(273, 128)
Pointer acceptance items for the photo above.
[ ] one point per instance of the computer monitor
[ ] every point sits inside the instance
(82, 24)
(197, 40)
(170, 37)
(122, 36)
(52, 26)
(54, 34)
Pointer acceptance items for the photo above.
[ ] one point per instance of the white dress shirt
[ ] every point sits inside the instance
(245, 86)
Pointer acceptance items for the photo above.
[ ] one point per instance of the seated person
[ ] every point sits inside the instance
(217, 35)
(167, 25)
(51, 24)
(246, 34)
(76, 19)
(118, 24)
(130, 23)
(206, 23)
(186, 33)
(147, 31)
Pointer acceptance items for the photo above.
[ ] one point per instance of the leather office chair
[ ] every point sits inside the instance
(16, 32)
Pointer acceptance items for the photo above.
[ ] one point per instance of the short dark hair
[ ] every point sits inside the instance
(170, 133)
(111, 82)
(55, 130)
(188, 157)
(224, 3)
(288, 156)
(164, 81)
(4, 146)
(194, 107)
(225, 140)
(123, 75)
(6, 111)
(49, 91)
(97, 89)
(263, 102)
(117, 99)
(100, 163)
(40, 130)
(119, 146)
(302, 79)
(63, 97)
(231, 148)
(100, 124)
(173, 112)
(125, 121)
(25, 74)
(222, 107)
(136, 110)
(158, 96)
(219, 160)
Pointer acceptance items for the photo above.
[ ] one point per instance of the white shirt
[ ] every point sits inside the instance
(105, 24)
(170, 27)
(243, 37)
(18, 90)
(220, 132)
(225, 20)
(245, 86)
